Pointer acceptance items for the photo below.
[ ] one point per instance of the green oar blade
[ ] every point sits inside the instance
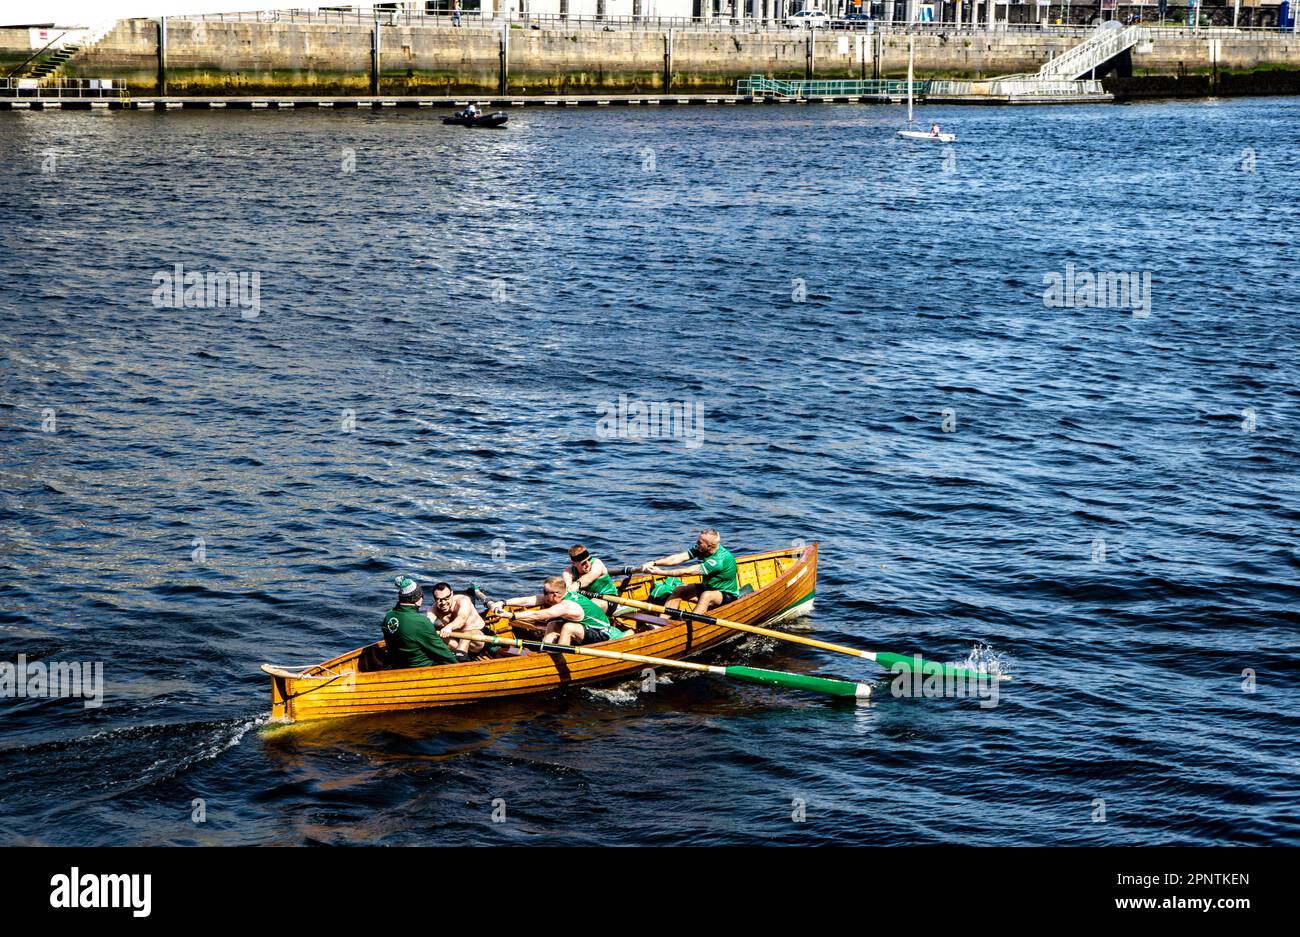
(798, 681)
(929, 668)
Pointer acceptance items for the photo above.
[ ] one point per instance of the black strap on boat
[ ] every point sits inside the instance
(474, 592)
(677, 613)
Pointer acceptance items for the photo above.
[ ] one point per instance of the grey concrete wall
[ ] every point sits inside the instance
(249, 57)
(14, 49)
(1267, 50)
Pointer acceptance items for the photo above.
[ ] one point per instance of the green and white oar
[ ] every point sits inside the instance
(792, 681)
(883, 658)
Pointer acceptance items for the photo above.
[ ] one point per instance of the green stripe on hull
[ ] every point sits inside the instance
(796, 604)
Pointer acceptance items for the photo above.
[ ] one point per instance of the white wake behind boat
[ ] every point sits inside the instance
(909, 134)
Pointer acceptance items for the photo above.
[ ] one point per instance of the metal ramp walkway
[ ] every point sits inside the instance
(1066, 79)
(1093, 52)
(757, 86)
(1018, 89)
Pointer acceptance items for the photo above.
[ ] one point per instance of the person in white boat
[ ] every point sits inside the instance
(934, 129)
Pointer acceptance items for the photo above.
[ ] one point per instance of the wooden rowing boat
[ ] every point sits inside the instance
(784, 583)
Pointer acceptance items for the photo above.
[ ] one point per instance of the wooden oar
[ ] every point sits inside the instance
(793, 681)
(883, 658)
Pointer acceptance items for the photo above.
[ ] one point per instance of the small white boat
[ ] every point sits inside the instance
(922, 135)
(934, 135)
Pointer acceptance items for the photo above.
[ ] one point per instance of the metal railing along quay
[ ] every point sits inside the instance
(760, 86)
(365, 16)
(64, 88)
(1015, 86)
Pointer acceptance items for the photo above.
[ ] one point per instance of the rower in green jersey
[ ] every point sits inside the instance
(569, 618)
(715, 566)
(588, 574)
(410, 637)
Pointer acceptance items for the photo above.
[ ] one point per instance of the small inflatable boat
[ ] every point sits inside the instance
(482, 120)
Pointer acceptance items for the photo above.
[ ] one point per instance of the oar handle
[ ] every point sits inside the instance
(590, 651)
(487, 602)
(678, 613)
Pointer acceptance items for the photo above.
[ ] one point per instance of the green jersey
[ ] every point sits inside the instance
(593, 617)
(718, 569)
(602, 586)
(412, 639)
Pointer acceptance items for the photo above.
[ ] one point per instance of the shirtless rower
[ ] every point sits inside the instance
(455, 613)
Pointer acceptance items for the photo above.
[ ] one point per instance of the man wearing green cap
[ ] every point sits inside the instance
(411, 638)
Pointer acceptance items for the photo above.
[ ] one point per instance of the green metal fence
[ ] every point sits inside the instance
(759, 86)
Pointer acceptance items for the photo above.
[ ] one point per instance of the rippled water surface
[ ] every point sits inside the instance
(1103, 504)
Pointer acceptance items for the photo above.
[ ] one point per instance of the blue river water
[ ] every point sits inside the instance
(1093, 492)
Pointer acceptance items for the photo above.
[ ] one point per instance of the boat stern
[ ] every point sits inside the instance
(281, 709)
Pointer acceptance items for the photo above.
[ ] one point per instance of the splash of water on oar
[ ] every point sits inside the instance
(883, 658)
(792, 681)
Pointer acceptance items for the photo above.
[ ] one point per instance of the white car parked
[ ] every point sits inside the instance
(809, 19)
